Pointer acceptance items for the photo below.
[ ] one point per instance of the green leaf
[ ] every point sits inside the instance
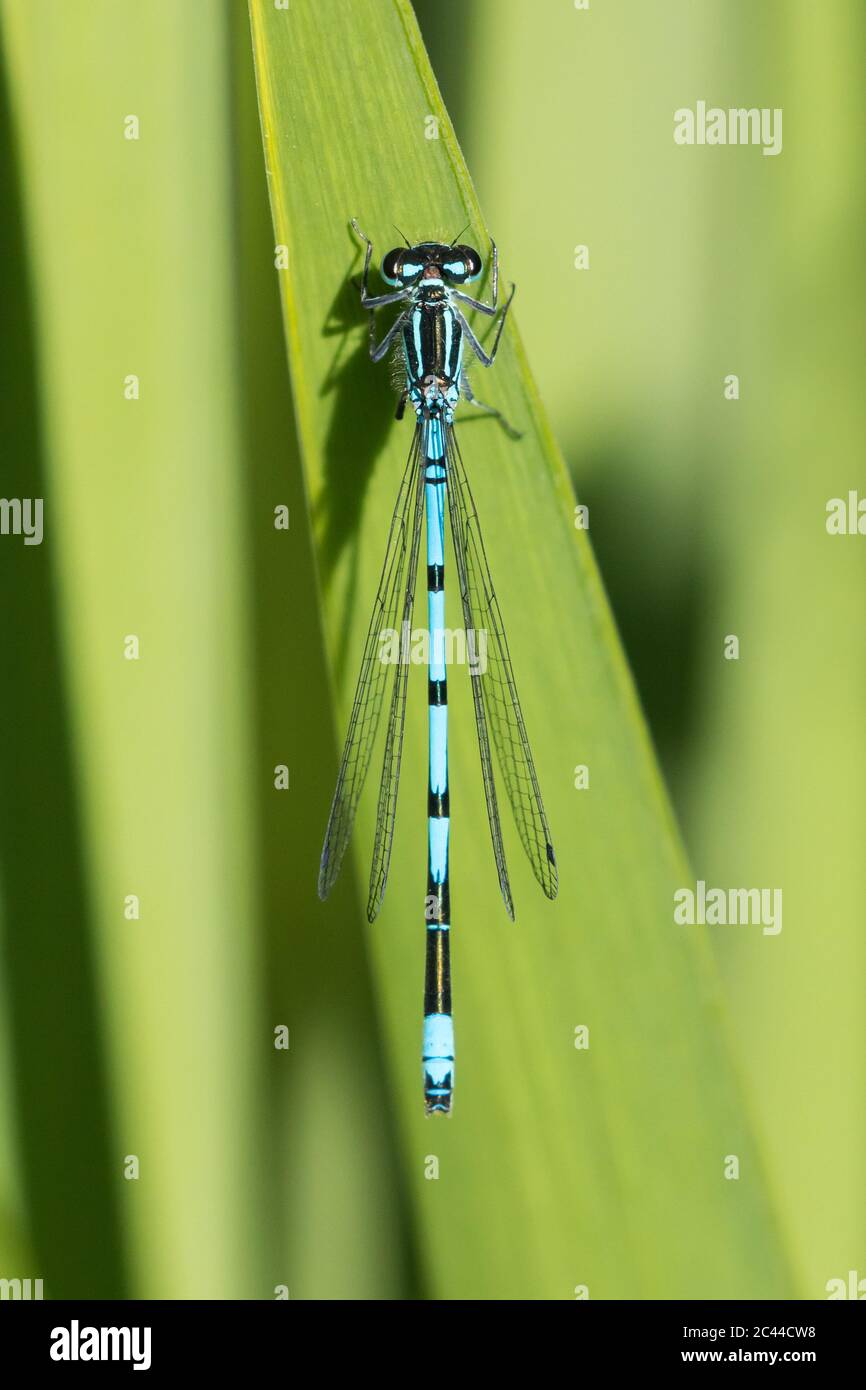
(560, 1167)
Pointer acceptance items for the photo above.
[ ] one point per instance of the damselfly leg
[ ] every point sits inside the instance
(471, 399)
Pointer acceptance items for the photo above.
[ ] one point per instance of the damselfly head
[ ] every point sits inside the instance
(407, 264)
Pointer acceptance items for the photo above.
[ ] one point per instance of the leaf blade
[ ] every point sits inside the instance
(573, 1129)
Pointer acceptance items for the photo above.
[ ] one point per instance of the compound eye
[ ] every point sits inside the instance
(391, 266)
(464, 263)
(401, 266)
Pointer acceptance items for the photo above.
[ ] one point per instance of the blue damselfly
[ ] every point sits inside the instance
(429, 333)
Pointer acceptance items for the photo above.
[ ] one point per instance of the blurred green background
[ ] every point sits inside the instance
(153, 1036)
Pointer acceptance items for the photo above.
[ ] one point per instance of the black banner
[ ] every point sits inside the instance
(158, 1338)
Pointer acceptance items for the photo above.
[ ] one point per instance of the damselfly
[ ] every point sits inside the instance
(429, 333)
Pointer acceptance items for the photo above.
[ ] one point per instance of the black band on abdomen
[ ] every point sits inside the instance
(438, 902)
(437, 974)
(438, 804)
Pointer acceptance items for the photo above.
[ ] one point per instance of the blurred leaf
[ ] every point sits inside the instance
(776, 789)
(56, 1155)
(129, 247)
(560, 1167)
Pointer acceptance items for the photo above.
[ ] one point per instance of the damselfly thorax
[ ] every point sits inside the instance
(433, 350)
